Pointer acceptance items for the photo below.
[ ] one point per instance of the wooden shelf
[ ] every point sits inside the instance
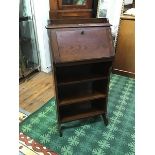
(81, 114)
(81, 98)
(81, 79)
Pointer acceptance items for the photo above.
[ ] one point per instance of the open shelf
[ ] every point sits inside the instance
(81, 98)
(82, 73)
(81, 79)
(80, 92)
(82, 110)
(81, 115)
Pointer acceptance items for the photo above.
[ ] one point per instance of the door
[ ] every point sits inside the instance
(28, 53)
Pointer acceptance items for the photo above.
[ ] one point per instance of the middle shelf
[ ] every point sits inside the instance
(80, 79)
(80, 92)
(81, 98)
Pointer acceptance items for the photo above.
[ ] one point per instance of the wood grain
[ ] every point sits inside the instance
(80, 43)
(36, 92)
(125, 50)
(82, 53)
(83, 43)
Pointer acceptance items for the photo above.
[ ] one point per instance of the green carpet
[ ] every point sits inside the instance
(90, 137)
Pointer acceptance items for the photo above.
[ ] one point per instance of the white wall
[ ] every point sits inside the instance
(114, 8)
(126, 2)
(41, 13)
(113, 12)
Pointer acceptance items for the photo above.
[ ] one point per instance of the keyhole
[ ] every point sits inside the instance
(82, 32)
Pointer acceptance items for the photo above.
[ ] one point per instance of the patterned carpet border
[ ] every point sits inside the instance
(27, 145)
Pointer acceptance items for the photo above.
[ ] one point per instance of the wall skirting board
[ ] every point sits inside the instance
(47, 69)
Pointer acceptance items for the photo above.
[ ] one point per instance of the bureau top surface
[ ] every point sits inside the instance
(74, 23)
(78, 41)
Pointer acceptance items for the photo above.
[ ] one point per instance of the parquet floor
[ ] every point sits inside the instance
(36, 92)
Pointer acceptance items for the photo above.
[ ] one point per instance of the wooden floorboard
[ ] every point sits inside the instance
(36, 92)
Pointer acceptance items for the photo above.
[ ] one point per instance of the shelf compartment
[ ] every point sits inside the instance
(81, 115)
(81, 98)
(71, 94)
(82, 72)
(82, 110)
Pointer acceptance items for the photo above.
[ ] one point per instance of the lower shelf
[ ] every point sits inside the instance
(82, 115)
(84, 110)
